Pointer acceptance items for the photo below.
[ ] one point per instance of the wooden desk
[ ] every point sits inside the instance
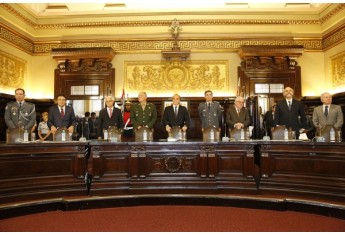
(303, 168)
(41, 170)
(256, 168)
(171, 167)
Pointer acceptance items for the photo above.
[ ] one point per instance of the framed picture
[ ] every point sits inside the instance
(169, 103)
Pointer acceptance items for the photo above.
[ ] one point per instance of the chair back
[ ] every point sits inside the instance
(278, 132)
(114, 134)
(143, 135)
(325, 132)
(58, 135)
(14, 135)
(211, 134)
(236, 133)
(177, 133)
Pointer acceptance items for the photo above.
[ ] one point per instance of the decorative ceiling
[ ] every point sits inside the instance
(138, 25)
(121, 7)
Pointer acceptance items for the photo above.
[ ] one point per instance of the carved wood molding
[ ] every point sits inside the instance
(83, 59)
(278, 57)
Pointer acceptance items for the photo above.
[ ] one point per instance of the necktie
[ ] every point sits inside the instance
(289, 102)
(209, 106)
(62, 113)
(110, 112)
(175, 111)
(20, 106)
(238, 111)
(326, 111)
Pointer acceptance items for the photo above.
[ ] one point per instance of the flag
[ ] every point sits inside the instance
(238, 87)
(123, 100)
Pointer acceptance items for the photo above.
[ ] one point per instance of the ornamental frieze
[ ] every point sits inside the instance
(213, 45)
(182, 76)
(334, 38)
(137, 46)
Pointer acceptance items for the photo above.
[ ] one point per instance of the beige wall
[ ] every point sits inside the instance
(41, 81)
(312, 73)
(39, 77)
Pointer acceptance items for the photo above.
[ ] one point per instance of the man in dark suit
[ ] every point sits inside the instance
(269, 120)
(176, 115)
(237, 116)
(20, 113)
(109, 116)
(61, 115)
(290, 112)
(93, 124)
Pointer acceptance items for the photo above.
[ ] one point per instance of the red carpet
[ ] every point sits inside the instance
(172, 218)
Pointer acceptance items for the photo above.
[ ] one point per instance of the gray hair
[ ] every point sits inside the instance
(239, 99)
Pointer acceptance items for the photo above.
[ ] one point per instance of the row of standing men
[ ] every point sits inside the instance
(289, 112)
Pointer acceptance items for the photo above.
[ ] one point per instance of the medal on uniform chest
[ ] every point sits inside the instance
(14, 111)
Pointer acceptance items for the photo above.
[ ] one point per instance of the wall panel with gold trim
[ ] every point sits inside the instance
(167, 77)
(12, 71)
(338, 69)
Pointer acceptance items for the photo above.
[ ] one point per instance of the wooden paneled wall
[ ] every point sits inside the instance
(194, 133)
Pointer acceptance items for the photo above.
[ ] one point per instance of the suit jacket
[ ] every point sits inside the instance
(232, 117)
(269, 122)
(25, 116)
(93, 124)
(54, 117)
(181, 119)
(334, 118)
(104, 121)
(210, 117)
(140, 117)
(294, 118)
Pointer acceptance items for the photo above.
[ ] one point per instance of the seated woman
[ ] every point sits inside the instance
(44, 132)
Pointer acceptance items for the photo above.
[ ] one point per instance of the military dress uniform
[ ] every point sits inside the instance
(20, 116)
(210, 115)
(140, 117)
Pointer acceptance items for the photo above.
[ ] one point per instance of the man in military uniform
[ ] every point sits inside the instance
(20, 114)
(143, 114)
(210, 112)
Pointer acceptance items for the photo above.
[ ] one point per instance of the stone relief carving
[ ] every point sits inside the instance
(192, 76)
(338, 70)
(12, 71)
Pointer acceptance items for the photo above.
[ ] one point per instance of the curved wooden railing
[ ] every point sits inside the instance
(291, 173)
